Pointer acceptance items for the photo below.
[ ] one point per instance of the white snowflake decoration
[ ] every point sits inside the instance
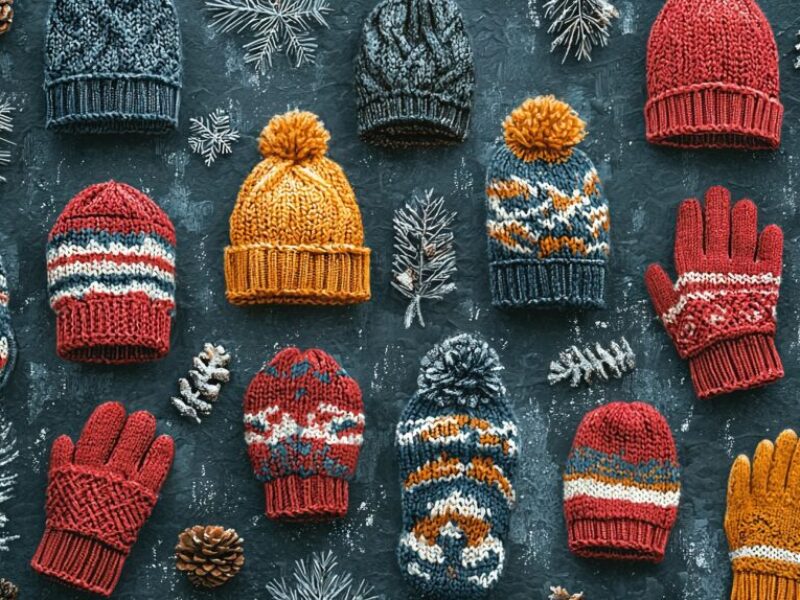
(319, 581)
(8, 478)
(6, 126)
(212, 135)
(277, 26)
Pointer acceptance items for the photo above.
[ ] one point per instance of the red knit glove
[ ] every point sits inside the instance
(99, 495)
(721, 312)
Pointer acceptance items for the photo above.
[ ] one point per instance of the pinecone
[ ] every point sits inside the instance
(210, 555)
(6, 15)
(8, 591)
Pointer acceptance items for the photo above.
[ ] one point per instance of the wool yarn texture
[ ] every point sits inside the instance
(304, 427)
(457, 445)
(100, 493)
(111, 276)
(621, 484)
(112, 67)
(712, 77)
(547, 217)
(296, 232)
(761, 521)
(8, 344)
(414, 74)
(721, 312)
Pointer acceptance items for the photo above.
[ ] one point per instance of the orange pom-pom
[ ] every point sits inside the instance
(543, 128)
(296, 135)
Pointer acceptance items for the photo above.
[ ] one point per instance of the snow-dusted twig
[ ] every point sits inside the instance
(579, 25)
(576, 365)
(6, 126)
(276, 25)
(201, 389)
(212, 135)
(424, 256)
(8, 478)
(318, 580)
(797, 47)
(559, 593)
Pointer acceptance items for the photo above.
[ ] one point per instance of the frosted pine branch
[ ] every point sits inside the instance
(424, 256)
(576, 365)
(276, 26)
(797, 60)
(319, 580)
(579, 25)
(8, 478)
(6, 126)
(212, 135)
(201, 389)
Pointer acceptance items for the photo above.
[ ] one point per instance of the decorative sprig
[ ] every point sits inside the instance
(202, 388)
(212, 135)
(424, 257)
(576, 365)
(319, 580)
(6, 126)
(8, 478)
(797, 47)
(579, 25)
(559, 593)
(277, 26)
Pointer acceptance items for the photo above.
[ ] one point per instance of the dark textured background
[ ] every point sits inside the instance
(211, 481)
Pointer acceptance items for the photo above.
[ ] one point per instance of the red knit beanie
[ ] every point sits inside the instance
(304, 426)
(621, 484)
(712, 77)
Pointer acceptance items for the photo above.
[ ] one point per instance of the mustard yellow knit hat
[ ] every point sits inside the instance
(296, 233)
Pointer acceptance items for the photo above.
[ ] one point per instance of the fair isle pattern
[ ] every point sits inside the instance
(8, 346)
(330, 425)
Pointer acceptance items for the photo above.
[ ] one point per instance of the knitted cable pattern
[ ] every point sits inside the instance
(304, 427)
(296, 233)
(721, 311)
(457, 445)
(111, 276)
(621, 484)
(8, 344)
(547, 218)
(112, 66)
(414, 74)
(712, 77)
(761, 521)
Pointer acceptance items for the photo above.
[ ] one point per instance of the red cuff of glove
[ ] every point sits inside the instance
(738, 364)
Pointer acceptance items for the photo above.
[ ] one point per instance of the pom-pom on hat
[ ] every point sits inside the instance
(111, 276)
(296, 232)
(621, 484)
(712, 77)
(548, 221)
(457, 445)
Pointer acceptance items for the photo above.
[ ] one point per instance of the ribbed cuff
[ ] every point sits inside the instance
(79, 561)
(547, 283)
(306, 499)
(715, 115)
(739, 364)
(407, 120)
(113, 330)
(763, 586)
(621, 539)
(124, 104)
(273, 274)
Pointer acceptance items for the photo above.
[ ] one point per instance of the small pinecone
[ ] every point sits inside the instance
(209, 555)
(8, 591)
(6, 15)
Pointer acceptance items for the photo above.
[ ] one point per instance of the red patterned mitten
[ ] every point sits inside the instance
(721, 311)
(100, 493)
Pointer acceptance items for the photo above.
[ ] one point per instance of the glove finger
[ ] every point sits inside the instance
(770, 248)
(781, 459)
(662, 293)
(762, 463)
(135, 439)
(157, 463)
(688, 236)
(745, 231)
(718, 221)
(61, 452)
(100, 434)
(738, 492)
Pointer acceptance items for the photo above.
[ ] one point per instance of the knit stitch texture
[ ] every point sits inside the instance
(8, 344)
(457, 445)
(548, 220)
(100, 492)
(111, 276)
(296, 233)
(712, 77)
(112, 66)
(414, 74)
(621, 484)
(304, 427)
(721, 311)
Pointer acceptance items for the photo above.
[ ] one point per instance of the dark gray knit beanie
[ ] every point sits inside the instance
(414, 74)
(112, 66)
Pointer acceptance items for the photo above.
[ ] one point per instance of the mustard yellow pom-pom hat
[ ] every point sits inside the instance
(296, 232)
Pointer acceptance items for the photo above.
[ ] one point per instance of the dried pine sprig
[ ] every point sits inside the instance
(576, 365)
(424, 256)
(579, 25)
(8, 478)
(318, 580)
(201, 389)
(559, 593)
(212, 135)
